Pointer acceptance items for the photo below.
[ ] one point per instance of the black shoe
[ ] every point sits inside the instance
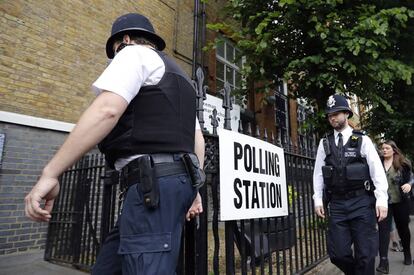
(397, 247)
(407, 258)
(383, 266)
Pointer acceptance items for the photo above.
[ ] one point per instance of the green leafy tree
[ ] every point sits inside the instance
(321, 47)
(396, 120)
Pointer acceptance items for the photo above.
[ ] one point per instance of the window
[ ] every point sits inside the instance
(282, 115)
(305, 135)
(227, 69)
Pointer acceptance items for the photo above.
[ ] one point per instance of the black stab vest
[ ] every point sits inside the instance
(350, 174)
(160, 119)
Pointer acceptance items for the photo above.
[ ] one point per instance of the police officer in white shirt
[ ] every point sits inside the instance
(144, 119)
(350, 188)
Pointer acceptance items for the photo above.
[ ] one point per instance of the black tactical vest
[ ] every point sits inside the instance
(160, 119)
(349, 174)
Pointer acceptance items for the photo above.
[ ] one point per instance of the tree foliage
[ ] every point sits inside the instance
(321, 47)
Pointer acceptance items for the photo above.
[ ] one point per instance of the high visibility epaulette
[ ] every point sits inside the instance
(356, 135)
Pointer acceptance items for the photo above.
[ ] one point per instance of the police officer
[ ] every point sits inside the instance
(349, 181)
(144, 119)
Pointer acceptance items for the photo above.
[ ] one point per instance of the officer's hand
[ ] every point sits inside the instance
(47, 188)
(320, 211)
(406, 188)
(195, 209)
(381, 213)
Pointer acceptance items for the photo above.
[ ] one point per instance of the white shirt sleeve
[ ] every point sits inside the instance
(133, 67)
(376, 171)
(317, 175)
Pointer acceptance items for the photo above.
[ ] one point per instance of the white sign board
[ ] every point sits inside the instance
(252, 178)
(212, 102)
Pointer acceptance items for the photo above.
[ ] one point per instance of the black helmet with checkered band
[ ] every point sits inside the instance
(338, 103)
(133, 23)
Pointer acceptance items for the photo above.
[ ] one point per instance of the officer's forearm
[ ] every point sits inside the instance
(199, 147)
(95, 123)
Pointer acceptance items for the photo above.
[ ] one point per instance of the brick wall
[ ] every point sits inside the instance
(50, 54)
(51, 51)
(25, 152)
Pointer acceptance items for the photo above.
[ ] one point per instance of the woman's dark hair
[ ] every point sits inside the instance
(399, 159)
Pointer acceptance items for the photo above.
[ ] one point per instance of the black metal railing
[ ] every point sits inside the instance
(278, 245)
(87, 207)
(75, 227)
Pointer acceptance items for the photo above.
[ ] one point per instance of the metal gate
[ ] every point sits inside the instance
(74, 233)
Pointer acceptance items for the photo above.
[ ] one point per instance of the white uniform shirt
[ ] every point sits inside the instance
(376, 169)
(133, 67)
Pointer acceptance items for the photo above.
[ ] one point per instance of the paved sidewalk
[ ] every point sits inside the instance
(32, 263)
(395, 259)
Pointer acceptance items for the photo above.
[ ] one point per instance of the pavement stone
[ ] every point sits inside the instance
(395, 259)
(32, 263)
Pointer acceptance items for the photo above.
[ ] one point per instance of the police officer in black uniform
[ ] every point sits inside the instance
(144, 119)
(350, 187)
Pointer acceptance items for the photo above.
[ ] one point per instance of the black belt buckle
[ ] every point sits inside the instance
(367, 185)
(354, 194)
(111, 177)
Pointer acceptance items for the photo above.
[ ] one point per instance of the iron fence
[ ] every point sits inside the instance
(73, 233)
(87, 207)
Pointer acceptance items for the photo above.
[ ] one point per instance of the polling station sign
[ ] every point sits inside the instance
(252, 178)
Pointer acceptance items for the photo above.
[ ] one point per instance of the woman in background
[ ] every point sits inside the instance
(398, 170)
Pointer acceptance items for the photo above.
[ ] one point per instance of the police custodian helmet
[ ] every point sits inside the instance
(137, 23)
(337, 103)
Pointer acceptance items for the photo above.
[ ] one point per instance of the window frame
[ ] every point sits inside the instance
(224, 60)
(281, 94)
(306, 140)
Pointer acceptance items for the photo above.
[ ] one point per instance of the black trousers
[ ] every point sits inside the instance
(147, 241)
(401, 213)
(353, 222)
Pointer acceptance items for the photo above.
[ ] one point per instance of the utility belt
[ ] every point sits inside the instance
(328, 195)
(145, 171)
(350, 194)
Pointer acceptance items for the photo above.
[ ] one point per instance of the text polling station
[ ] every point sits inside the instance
(252, 178)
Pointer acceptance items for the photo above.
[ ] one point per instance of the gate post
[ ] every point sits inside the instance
(200, 230)
(229, 239)
(201, 90)
(201, 248)
(79, 205)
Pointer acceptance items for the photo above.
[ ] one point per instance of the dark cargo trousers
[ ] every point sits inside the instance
(147, 241)
(353, 222)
